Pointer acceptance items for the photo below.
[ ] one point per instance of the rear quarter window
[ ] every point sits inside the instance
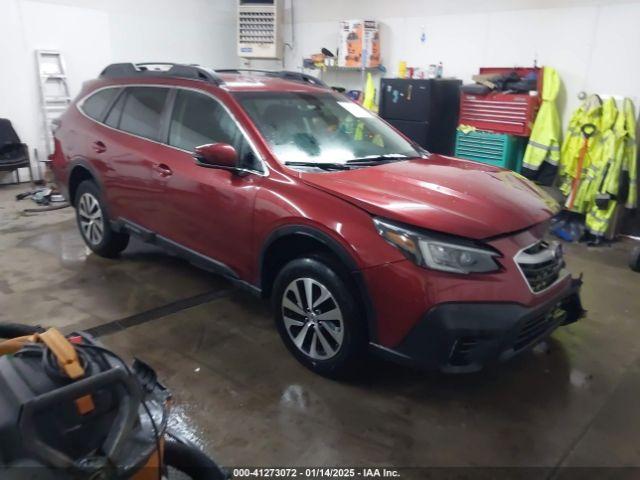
(95, 105)
(113, 117)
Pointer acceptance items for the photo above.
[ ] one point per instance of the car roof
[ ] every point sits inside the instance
(233, 80)
(241, 82)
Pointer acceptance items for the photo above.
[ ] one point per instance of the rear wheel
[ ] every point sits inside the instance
(318, 318)
(93, 222)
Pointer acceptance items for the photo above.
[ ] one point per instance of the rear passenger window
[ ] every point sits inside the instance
(142, 111)
(96, 104)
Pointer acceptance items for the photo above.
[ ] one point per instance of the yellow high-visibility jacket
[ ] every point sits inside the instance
(544, 142)
(630, 155)
(623, 158)
(590, 112)
(604, 152)
(618, 160)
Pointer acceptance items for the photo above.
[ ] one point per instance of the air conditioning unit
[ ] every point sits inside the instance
(260, 28)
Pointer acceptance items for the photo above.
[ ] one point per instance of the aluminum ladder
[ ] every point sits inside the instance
(54, 93)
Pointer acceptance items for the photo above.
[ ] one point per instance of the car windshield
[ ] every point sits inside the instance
(306, 129)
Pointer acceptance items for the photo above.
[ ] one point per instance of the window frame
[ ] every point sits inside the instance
(165, 120)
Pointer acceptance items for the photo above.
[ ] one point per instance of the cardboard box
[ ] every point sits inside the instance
(359, 44)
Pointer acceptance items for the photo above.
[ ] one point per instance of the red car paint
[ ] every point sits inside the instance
(229, 218)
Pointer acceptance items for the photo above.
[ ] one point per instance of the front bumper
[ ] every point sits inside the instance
(465, 337)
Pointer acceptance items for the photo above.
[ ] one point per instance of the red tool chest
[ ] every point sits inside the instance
(512, 113)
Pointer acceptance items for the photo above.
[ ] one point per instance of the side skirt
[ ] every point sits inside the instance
(197, 259)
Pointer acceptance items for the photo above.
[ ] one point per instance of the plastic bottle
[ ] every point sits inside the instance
(439, 70)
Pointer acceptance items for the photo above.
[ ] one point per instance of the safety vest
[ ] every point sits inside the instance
(544, 142)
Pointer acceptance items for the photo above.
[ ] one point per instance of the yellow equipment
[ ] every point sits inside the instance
(542, 156)
(598, 162)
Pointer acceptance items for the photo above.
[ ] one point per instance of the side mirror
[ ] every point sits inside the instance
(216, 155)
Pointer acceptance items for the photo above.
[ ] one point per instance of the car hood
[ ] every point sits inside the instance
(441, 193)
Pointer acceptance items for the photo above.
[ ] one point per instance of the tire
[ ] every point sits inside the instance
(330, 339)
(94, 223)
(634, 259)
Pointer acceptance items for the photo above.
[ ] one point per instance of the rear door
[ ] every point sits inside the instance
(135, 156)
(207, 210)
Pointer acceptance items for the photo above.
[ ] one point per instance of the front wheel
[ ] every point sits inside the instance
(94, 224)
(318, 317)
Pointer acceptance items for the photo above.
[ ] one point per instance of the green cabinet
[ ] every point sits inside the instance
(499, 149)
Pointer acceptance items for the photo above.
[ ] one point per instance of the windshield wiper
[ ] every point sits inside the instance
(373, 159)
(323, 165)
(349, 164)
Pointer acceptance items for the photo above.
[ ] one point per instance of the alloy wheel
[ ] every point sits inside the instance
(91, 219)
(312, 318)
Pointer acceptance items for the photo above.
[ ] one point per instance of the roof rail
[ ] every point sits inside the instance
(284, 74)
(179, 70)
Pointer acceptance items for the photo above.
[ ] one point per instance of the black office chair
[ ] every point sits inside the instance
(13, 153)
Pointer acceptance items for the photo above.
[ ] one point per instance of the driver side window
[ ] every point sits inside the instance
(198, 119)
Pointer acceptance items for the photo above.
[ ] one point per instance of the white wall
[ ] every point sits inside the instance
(593, 44)
(94, 33)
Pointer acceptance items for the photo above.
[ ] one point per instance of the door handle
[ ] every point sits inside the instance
(99, 147)
(163, 170)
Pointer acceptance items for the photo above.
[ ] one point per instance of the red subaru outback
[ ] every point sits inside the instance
(361, 239)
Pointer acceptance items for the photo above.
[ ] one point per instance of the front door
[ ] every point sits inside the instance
(207, 210)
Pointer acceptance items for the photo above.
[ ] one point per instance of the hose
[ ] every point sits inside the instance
(46, 209)
(192, 462)
(13, 330)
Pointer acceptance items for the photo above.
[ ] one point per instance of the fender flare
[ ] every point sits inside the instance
(343, 255)
(81, 162)
(311, 232)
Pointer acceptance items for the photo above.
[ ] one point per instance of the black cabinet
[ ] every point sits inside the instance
(426, 111)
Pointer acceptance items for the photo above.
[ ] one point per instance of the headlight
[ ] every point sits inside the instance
(438, 251)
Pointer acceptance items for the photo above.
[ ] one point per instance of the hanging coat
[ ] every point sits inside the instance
(630, 163)
(616, 181)
(542, 155)
(589, 112)
(369, 99)
(604, 153)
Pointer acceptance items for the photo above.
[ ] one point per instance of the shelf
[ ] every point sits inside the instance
(351, 69)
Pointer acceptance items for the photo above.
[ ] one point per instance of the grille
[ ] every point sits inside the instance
(256, 27)
(541, 264)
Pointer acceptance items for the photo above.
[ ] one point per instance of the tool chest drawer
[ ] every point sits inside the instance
(500, 112)
(498, 149)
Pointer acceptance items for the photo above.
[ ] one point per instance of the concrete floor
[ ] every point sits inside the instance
(243, 398)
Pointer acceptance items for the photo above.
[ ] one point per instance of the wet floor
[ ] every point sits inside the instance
(573, 401)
